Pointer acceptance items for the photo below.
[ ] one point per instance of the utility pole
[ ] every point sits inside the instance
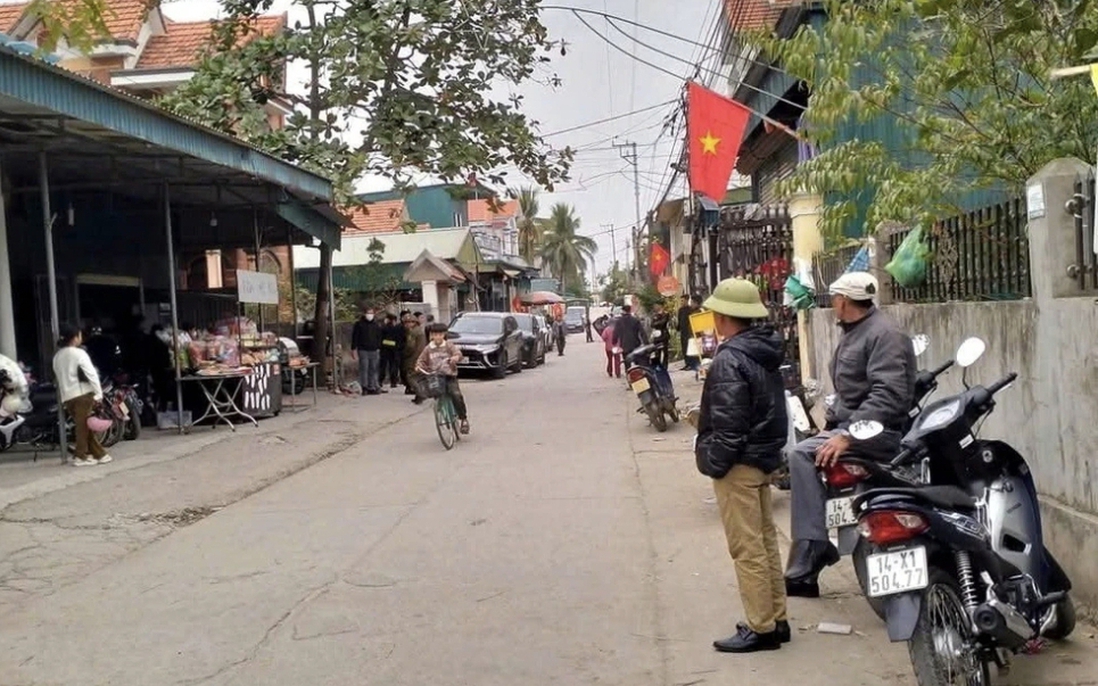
(631, 158)
(613, 245)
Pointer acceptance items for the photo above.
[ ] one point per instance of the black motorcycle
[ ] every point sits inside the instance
(652, 384)
(961, 567)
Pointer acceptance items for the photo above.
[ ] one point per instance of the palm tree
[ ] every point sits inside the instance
(566, 252)
(529, 229)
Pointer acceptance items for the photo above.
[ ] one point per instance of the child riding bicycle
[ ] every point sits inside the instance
(441, 357)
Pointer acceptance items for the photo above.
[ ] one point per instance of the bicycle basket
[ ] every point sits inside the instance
(433, 386)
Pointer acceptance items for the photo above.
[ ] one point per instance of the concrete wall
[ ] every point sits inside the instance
(1051, 413)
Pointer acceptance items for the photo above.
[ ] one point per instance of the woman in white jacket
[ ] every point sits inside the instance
(79, 389)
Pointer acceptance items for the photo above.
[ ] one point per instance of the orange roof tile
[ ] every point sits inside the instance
(384, 216)
(479, 211)
(182, 42)
(10, 16)
(753, 15)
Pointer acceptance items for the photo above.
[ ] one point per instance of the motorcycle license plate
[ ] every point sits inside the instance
(895, 572)
(641, 385)
(840, 513)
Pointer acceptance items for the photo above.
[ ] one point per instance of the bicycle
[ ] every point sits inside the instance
(446, 419)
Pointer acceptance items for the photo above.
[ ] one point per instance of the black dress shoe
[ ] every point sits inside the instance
(781, 629)
(747, 641)
(806, 560)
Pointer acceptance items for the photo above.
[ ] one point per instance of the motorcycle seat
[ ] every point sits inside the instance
(949, 497)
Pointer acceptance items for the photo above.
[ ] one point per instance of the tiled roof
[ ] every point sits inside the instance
(385, 216)
(479, 211)
(10, 16)
(753, 15)
(182, 42)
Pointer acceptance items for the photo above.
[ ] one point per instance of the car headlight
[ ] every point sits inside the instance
(941, 416)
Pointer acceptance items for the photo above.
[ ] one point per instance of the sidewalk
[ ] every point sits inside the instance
(22, 478)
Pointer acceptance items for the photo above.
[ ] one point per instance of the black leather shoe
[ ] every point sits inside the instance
(806, 560)
(781, 629)
(747, 641)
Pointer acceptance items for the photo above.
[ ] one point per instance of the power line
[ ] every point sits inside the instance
(607, 119)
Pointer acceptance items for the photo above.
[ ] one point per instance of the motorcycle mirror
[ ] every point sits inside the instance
(657, 334)
(865, 429)
(920, 342)
(970, 350)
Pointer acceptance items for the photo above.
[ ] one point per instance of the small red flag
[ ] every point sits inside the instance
(715, 126)
(658, 259)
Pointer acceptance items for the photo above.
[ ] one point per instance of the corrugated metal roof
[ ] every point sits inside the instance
(57, 91)
(400, 248)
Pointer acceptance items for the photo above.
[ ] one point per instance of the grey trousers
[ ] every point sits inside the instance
(808, 499)
(369, 365)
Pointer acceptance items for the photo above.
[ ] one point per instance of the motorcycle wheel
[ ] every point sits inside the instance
(132, 430)
(112, 435)
(655, 415)
(862, 549)
(1065, 620)
(673, 413)
(941, 648)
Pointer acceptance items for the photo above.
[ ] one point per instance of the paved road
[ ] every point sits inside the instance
(564, 543)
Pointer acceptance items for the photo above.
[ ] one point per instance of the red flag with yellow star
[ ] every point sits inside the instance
(658, 259)
(715, 127)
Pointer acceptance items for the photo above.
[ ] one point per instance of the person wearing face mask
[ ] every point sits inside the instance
(873, 373)
(366, 347)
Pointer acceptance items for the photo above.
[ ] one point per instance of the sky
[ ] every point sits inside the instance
(598, 82)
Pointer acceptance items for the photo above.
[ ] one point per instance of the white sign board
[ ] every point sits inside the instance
(257, 287)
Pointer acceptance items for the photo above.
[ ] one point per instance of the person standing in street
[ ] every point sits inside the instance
(560, 334)
(613, 356)
(689, 307)
(587, 325)
(366, 347)
(741, 431)
(414, 343)
(80, 391)
(629, 332)
(392, 343)
(873, 373)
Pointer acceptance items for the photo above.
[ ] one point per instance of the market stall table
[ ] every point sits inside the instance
(221, 395)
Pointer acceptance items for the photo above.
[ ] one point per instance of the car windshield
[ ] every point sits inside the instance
(574, 315)
(477, 325)
(525, 322)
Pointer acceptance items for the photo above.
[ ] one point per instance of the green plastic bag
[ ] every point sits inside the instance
(798, 295)
(908, 265)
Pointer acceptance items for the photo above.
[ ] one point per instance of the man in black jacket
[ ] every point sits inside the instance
(629, 332)
(392, 345)
(741, 431)
(366, 347)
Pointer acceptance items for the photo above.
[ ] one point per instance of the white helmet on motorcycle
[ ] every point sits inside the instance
(11, 405)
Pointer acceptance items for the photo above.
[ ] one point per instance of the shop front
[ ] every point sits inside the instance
(111, 212)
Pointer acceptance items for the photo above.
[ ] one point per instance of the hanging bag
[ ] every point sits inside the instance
(909, 264)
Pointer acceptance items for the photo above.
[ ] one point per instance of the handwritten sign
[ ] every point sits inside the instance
(257, 287)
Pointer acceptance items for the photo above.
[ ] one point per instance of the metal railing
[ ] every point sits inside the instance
(974, 256)
(1085, 269)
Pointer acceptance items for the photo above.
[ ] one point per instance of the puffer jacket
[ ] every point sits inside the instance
(743, 417)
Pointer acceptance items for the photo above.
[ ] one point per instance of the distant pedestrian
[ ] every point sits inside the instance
(366, 347)
(587, 326)
(741, 431)
(80, 392)
(689, 307)
(629, 332)
(613, 353)
(392, 345)
(560, 334)
(660, 322)
(414, 343)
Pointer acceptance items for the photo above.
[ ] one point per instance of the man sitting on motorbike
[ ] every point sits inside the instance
(873, 373)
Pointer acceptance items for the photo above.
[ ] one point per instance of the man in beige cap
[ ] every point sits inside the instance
(741, 431)
(873, 373)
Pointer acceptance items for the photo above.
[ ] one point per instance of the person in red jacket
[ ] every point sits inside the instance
(613, 352)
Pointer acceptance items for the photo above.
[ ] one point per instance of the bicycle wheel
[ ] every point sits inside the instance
(444, 422)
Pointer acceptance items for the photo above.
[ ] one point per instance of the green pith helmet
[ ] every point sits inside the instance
(737, 298)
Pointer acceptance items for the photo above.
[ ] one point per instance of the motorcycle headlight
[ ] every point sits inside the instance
(940, 417)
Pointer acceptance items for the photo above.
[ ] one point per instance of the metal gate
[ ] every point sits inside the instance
(755, 242)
